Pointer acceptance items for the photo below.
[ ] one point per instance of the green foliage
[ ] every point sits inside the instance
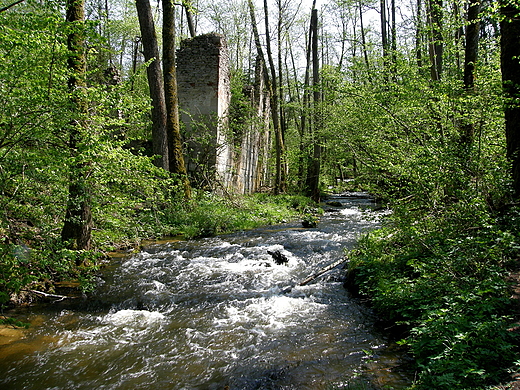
(13, 322)
(240, 110)
(438, 264)
(442, 274)
(22, 266)
(210, 214)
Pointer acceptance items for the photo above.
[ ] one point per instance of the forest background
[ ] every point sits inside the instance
(413, 101)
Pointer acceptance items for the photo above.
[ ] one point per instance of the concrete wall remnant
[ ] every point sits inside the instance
(251, 159)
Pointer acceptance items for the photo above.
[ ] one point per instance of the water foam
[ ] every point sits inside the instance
(134, 318)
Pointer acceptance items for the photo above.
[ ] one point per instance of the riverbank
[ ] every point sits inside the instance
(443, 277)
(32, 261)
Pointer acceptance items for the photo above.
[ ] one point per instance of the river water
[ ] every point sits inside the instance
(211, 314)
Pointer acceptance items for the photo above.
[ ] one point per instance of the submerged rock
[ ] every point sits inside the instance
(278, 257)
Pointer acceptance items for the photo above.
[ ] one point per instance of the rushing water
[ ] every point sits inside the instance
(210, 314)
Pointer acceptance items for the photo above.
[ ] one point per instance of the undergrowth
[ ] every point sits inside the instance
(209, 214)
(440, 273)
(36, 261)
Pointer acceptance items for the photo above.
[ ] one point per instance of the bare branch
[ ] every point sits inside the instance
(10, 5)
(47, 295)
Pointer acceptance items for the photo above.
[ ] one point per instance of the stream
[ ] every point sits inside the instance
(210, 314)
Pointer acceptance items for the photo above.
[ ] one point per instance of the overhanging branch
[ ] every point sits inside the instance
(10, 5)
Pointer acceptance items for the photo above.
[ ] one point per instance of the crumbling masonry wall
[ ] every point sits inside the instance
(212, 155)
(204, 95)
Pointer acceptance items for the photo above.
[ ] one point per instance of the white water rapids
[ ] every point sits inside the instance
(209, 314)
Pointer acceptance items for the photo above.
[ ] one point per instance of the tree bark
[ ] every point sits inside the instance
(305, 108)
(470, 59)
(393, 31)
(279, 185)
(315, 165)
(363, 38)
(418, 35)
(436, 47)
(283, 118)
(384, 30)
(77, 227)
(176, 163)
(189, 17)
(155, 83)
(510, 53)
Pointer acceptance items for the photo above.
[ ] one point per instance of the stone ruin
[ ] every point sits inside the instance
(237, 162)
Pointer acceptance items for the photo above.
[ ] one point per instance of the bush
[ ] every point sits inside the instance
(442, 275)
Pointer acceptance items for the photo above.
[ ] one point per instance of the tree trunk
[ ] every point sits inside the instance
(436, 48)
(314, 168)
(279, 185)
(283, 118)
(384, 30)
(470, 59)
(363, 38)
(135, 52)
(176, 163)
(510, 53)
(189, 16)
(418, 35)
(393, 31)
(305, 109)
(155, 83)
(77, 226)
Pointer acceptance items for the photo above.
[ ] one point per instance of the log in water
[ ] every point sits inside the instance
(209, 314)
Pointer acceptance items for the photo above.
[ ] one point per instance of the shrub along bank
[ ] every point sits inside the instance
(440, 273)
(34, 261)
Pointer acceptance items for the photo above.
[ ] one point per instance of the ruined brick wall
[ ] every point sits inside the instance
(203, 78)
(204, 94)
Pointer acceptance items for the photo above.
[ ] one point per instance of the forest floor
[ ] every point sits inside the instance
(514, 278)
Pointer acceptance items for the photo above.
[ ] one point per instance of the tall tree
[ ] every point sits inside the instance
(393, 33)
(282, 6)
(436, 47)
(270, 80)
(470, 60)
(315, 165)
(384, 29)
(363, 36)
(305, 100)
(471, 47)
(77, 227)
(176, 163)
(155, 83)
(418, 35)
(510, 64)
(279, 185)
(189, 17)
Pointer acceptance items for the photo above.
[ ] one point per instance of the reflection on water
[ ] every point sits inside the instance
(209, 313)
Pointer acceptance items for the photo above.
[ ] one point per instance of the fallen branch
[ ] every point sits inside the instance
(316, 275)
(47, 295)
